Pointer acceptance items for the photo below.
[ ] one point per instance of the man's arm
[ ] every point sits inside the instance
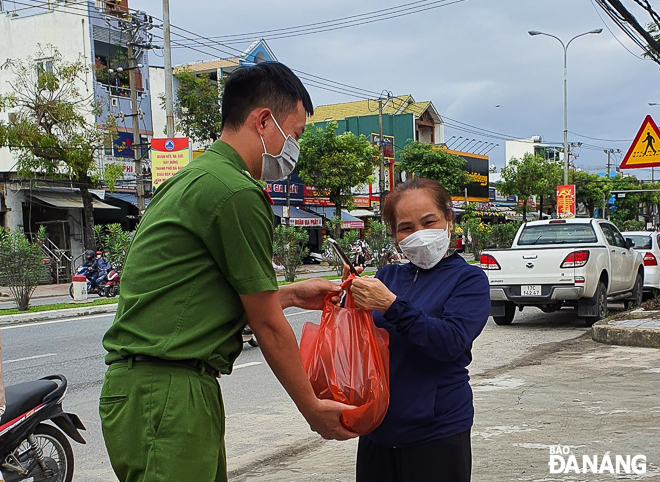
(309, 294)
(278, 344)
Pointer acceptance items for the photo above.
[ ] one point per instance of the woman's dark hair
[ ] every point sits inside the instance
(440, 196)
(267, 84)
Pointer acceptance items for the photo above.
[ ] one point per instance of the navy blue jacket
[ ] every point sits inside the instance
(437, 315)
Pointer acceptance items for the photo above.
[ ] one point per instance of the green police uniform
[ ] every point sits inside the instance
(205, 239)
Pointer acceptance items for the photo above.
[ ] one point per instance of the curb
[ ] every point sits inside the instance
(604, 332)
(57, 314)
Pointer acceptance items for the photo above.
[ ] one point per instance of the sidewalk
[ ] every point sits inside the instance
(589, 397)
(42, 291)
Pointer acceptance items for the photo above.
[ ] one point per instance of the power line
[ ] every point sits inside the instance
(330, 25)
(610, 31)
(599, 139)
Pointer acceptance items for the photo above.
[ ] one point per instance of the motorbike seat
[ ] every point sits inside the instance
(25, 396)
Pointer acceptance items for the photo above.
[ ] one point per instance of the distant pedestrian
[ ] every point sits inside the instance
(433, 308)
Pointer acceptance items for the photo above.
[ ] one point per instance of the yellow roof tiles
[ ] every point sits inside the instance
(208, 66)
(404, 104)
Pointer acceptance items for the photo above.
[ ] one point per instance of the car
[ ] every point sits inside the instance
(648, 245)
(581, 262)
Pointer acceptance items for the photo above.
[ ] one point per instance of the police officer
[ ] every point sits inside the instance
(199, 267)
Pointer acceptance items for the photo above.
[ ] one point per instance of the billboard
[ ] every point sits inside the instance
(168, 156)
(566, 201)
(477, 169)
(277, 191)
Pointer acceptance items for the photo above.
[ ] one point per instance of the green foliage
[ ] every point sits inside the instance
(336, 164)
(630, 225)
(289, 248)
(54, 131)
(111, 174)
(427, 160)
(114, 242)
(21, 265)
(502, 234)
(590, 189)
(377, 239)
(476, 236)
(346, 242)
(197, 107)
(528, 177)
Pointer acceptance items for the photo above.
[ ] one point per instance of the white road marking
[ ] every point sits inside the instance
(30, 358)
(301, 313)
(244, 365)
(63, 320)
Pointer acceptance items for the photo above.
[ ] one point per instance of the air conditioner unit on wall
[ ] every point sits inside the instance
(114, 102)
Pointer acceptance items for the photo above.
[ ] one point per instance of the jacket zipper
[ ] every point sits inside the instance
(412, 285)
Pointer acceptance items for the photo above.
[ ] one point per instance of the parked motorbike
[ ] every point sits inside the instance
(111, 284)
(96, 288)
(248, 337)
(31, 450)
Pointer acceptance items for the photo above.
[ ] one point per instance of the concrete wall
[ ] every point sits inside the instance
(517, 149)
(20, 36)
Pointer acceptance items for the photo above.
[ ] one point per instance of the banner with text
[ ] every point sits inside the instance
(168, 156)
(566, 201)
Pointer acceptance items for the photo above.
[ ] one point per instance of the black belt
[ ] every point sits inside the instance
(193, 364)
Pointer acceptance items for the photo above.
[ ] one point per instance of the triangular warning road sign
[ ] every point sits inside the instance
(645, 149)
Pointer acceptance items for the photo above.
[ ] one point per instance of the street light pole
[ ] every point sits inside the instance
(565, 47)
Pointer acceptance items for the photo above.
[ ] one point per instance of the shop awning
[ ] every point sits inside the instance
(66, 200)
(127, 197)
(347, 221)
(300, 218)
(362, 213)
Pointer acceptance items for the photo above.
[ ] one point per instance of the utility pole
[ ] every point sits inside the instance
(169, 94)
(381, 176)
(287, 208)
(137, 154)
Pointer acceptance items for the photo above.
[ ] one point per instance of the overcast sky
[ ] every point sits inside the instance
(467, 58)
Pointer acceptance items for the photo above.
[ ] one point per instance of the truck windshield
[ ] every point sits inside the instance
(568, 233)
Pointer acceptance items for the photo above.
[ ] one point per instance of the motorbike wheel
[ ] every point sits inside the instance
(253, 341)
(71, 290)
(111, 291)
(58, 456)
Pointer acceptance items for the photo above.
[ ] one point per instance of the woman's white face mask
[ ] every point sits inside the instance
(426, 247)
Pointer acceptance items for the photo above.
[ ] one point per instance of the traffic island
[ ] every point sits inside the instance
(636, 328)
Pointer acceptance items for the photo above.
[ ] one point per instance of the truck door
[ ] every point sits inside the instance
(617, 276)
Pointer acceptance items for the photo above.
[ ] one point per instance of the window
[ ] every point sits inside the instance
(609, 234)
(568, 233)
(44, 65)
(641, 241)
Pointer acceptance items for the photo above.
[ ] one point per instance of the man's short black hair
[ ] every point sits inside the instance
(267, 84)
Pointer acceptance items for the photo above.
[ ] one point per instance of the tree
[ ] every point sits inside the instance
(114, 242)
(527, 177)
(289, 246)
(590, 190)
(197, 107)
(547, 185)
(21, 265)
(378, 241)
(52, 130)
(427, 160)
(336, 164)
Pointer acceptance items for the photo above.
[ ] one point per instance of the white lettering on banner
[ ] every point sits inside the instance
(563, 461)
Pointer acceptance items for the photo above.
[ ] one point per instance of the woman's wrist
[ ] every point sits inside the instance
(391, 298)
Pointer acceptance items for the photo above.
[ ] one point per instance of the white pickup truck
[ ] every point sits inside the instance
(560, 262)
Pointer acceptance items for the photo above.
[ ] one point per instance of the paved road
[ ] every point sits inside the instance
(261, 420)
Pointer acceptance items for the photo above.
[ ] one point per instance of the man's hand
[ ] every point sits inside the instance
(309, 294)
(324, 419)
(347, 272)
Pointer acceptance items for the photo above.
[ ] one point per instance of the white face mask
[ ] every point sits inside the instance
(426, 247)
(278, 167)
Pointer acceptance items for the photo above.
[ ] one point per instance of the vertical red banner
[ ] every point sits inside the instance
(566, 201)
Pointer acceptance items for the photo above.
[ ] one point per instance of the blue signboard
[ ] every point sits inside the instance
(122, 146)
(277, 191)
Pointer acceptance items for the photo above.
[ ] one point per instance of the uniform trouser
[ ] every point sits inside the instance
(447, 459)
(163, 423)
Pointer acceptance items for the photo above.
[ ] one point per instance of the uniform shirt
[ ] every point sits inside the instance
(206, 238)
(437, 315)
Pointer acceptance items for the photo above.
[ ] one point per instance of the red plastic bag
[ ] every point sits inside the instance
(347, 359)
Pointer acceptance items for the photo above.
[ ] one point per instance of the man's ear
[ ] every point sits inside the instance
(261, 118)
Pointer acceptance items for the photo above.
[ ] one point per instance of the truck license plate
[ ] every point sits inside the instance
(530, 290)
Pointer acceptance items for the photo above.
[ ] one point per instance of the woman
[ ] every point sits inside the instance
(433, 308)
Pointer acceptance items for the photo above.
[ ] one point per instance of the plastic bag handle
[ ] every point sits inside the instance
(349, 297)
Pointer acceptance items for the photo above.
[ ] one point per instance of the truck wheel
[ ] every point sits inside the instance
(509, 313)
(637, 293)
(601, 305)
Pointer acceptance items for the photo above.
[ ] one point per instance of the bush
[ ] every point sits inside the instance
(476, 236)
(631, 225)
(502, 234)
(289, 247)
(21, 265)
(379, 242)
(114, 242)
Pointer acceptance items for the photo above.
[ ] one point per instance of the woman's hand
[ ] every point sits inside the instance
(371, 294)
